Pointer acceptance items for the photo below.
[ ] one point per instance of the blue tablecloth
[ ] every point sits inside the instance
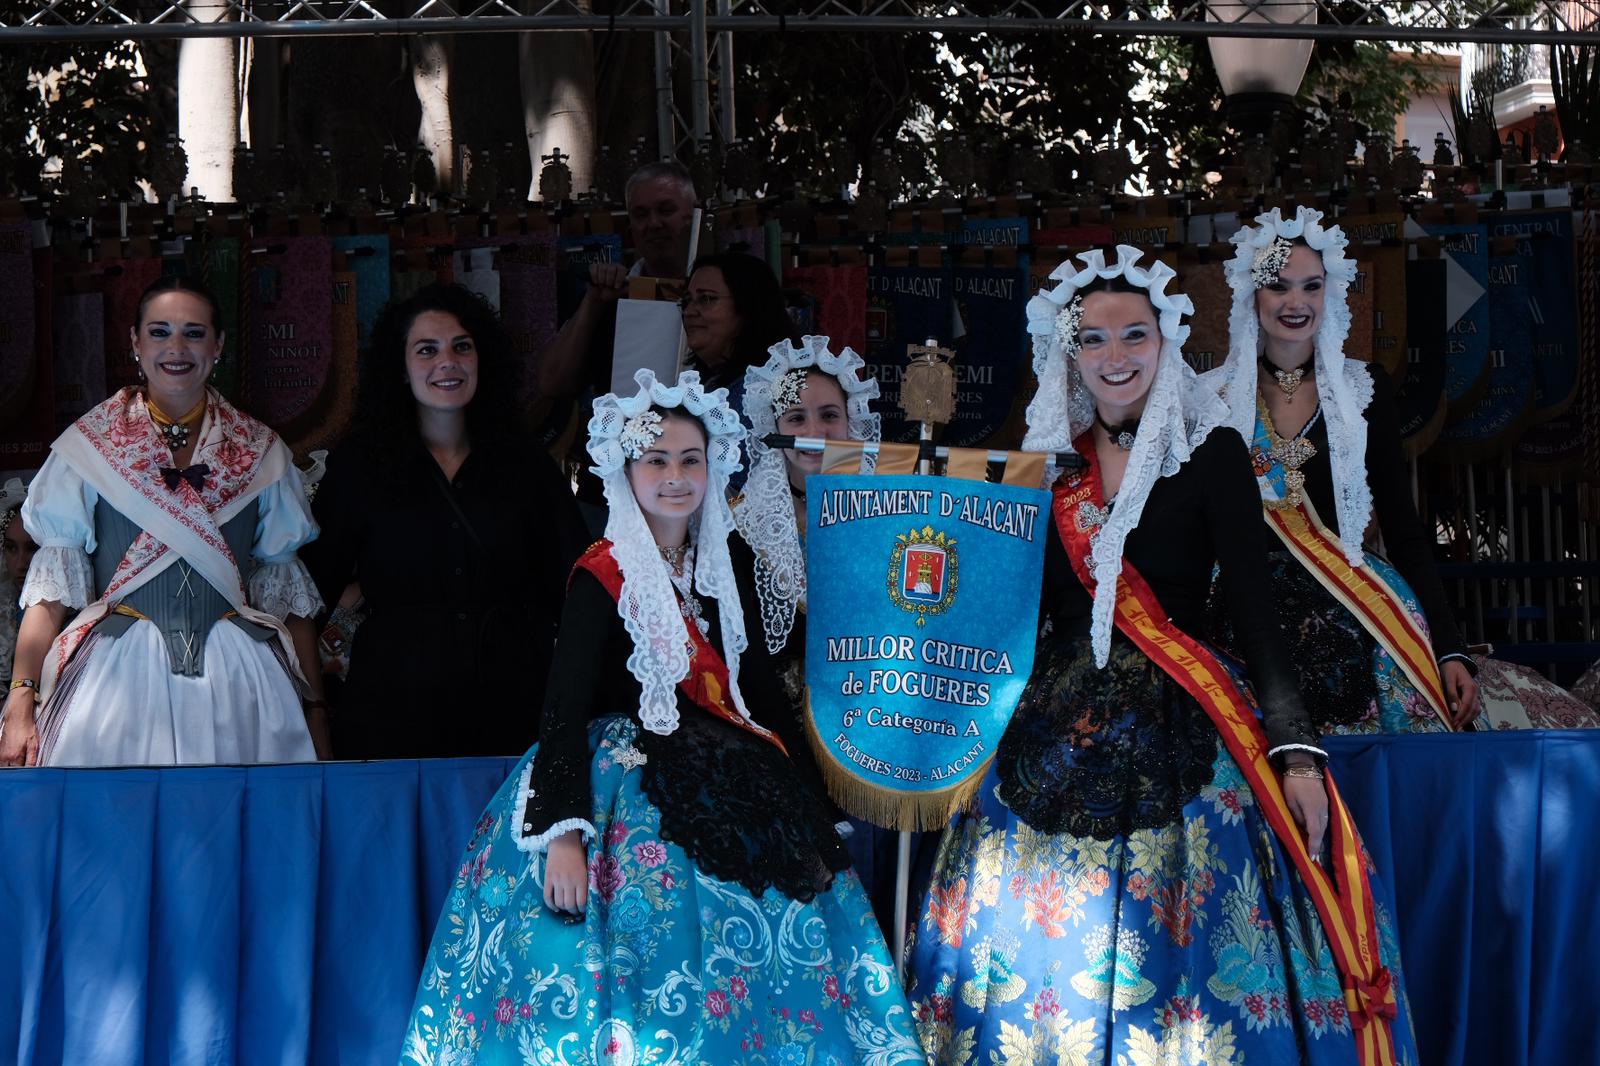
(278, 914)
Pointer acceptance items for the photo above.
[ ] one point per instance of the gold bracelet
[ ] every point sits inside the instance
(1310, 773)
(24, 682)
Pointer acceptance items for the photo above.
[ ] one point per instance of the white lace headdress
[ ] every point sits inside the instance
(621, 429)
(1178, 413)
(766, 513)
(1344, 387)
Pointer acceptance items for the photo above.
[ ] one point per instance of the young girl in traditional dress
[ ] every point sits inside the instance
(168, 523)
(660, 879)
(1146, 875)
(1374, 644)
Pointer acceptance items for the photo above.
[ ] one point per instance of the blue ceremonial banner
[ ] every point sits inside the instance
(922, 610)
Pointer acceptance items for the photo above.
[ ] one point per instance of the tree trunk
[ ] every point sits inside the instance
(558, 102)
(208, 106)
(430, 74)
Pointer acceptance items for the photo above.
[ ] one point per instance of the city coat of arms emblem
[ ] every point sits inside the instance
(923, 572)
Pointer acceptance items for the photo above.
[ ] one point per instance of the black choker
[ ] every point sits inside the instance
(1288, 380)
(1121, 435)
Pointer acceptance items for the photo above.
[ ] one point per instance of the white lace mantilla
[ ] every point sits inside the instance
(60, 574)
(647, 605)
(284, 589)
(1344, 386)
(766, 512)
(1178, 415)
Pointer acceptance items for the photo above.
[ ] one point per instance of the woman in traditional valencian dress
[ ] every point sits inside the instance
(167, 523)
(1374, 644)
(1147, 875)
(657, 881)
(803, 390)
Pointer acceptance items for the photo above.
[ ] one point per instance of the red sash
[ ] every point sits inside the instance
(1366, 595)
(707, 683)
(1344, 901)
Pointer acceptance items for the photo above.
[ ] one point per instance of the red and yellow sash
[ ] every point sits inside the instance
(707, 682)
(1343, 901)
(1366, 595)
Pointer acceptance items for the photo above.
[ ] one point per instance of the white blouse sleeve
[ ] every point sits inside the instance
(59, 515)
(280, 584)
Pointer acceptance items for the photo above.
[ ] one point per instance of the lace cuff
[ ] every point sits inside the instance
(284, 589)
(527, 840)
(60, 574)
(1281, 748)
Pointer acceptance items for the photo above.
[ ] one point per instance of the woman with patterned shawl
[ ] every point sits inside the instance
(1155, 869)
(660, 879)
(167, 522)
(1372, 638)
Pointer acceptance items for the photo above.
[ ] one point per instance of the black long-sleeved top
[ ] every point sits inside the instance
(732, 800)
(1203, 515)
(453, 656)
(1404, 538)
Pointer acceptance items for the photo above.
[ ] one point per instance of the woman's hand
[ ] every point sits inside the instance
(19, 735)
(1308, 802)
(566, 874)
(321, 736)
(1460, 693)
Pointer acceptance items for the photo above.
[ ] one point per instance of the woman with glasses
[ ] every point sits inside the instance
(733, 311)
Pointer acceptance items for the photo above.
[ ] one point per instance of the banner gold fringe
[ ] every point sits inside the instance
(883, 805)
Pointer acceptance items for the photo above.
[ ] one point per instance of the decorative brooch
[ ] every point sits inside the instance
(1067, 322)
(787, 392)
(1267, 266)
(639, 433)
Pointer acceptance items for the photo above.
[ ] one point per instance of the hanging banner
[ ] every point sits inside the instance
(1465, 249)
(19, 368)
(577, 254)
(1544, 252)
(922, 611)
(367, 257)
(991, 349)
(26, 337)
(1377, 243)
(1505, 406)
(215, 263)
(829, 301)
(528, 301)
(80, 361)
(1206, 284)
(125, 281)
(291, 332)
(905, 305)
(1420, 398)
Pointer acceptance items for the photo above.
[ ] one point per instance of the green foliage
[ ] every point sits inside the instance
(86, 101)
(822, 98)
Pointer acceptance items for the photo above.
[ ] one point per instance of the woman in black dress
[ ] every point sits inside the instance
(459, 531)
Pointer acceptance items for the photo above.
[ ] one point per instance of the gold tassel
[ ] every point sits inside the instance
(884, 806)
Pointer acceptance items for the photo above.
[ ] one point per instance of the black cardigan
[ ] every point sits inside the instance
(1202, 516)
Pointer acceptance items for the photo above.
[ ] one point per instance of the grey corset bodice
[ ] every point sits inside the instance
(178, 601)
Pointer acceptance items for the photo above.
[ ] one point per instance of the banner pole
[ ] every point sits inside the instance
(902, 858)
(902, 894)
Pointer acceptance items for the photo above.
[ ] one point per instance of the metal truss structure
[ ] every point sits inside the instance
(1453, 21)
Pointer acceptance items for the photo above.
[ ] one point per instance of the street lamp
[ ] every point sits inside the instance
(1260, 75)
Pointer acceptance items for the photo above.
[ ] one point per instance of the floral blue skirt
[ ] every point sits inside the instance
(669, 965)
(1147, 917)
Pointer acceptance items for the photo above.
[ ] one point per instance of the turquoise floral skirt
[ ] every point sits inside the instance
(1146, 915)
(669, 965)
